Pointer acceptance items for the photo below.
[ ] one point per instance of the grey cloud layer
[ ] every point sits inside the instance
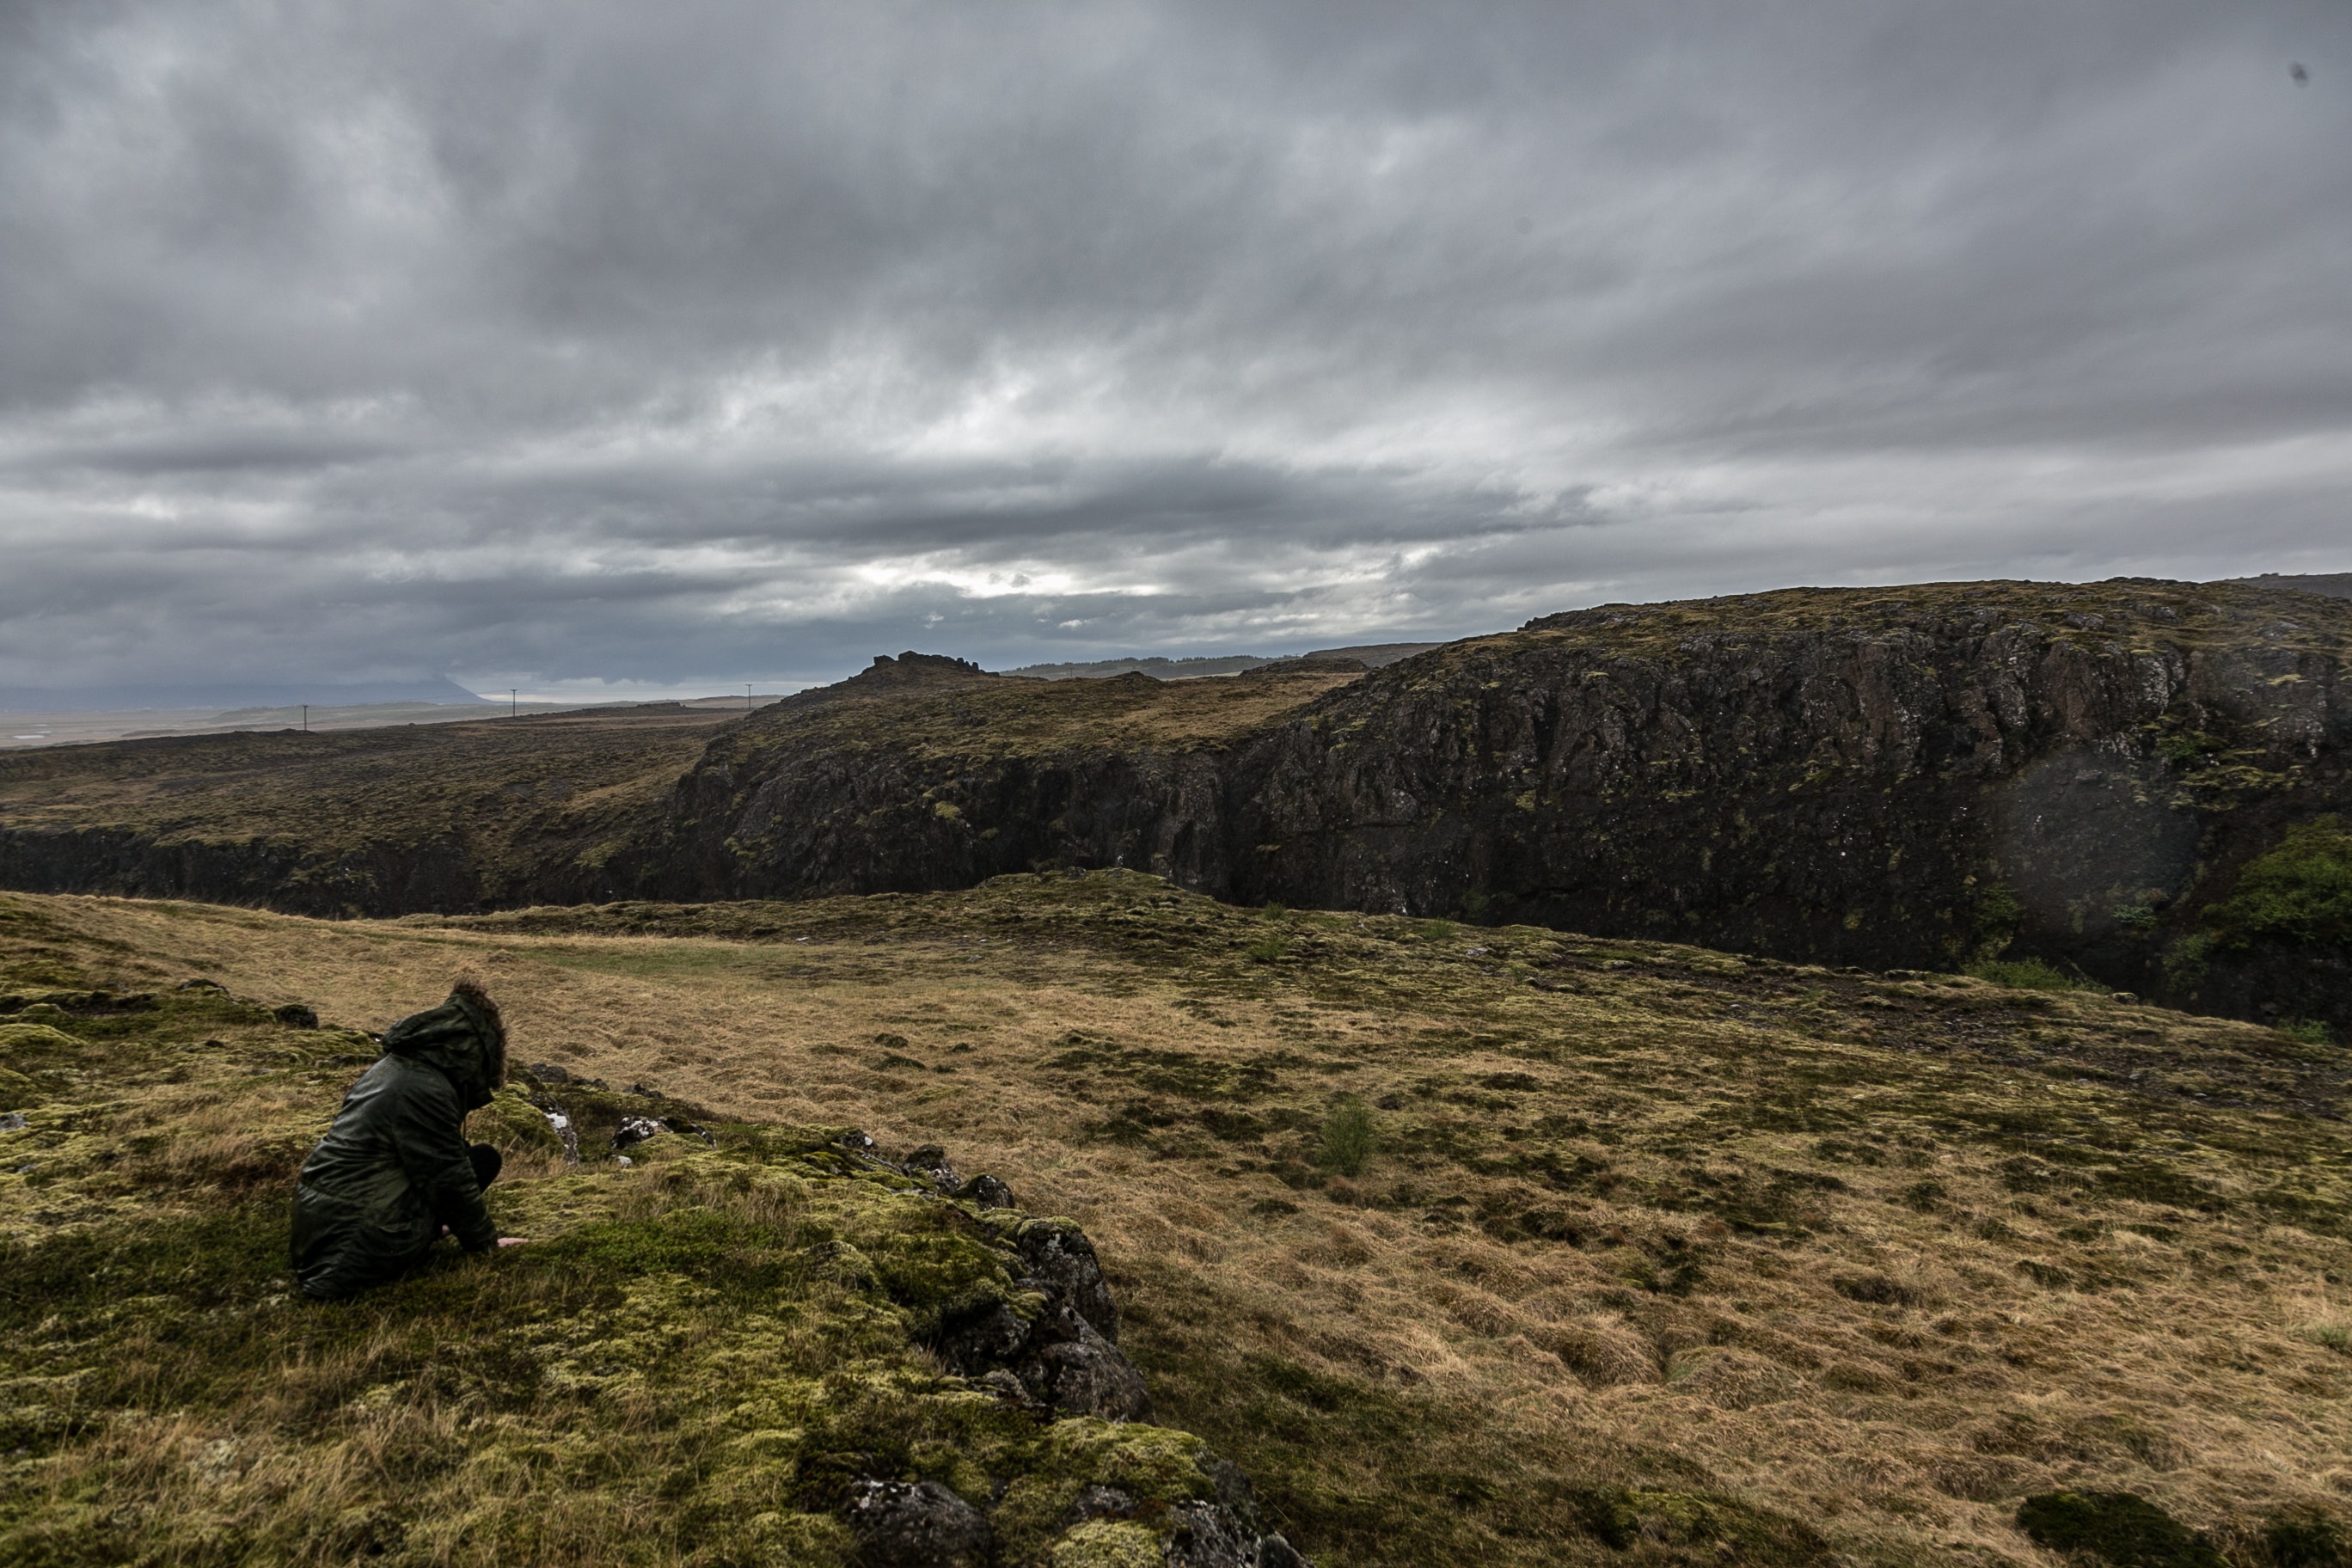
(544, 343)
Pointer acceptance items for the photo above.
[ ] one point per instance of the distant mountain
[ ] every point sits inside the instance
(147, 698)
(1371, 655)
(2334, 584)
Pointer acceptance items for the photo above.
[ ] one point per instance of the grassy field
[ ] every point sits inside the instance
(1492, 1245)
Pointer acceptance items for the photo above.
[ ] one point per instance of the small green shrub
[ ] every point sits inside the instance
(1266, 950)
(2126, 1529)
(2185, 961)
(2306, 1031)
(2027, 974)
(1348, 1137)
(2300, 892)
(1992, 922)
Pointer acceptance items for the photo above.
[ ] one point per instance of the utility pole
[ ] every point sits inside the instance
(306, 717)
(747, 697)
(514, 701)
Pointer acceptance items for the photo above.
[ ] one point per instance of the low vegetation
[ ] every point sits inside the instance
(1647, 1254)
(2299, 893)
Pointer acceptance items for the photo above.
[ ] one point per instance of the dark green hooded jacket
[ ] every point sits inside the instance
(395, 1167)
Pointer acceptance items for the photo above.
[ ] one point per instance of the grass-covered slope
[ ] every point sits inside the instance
(1650, 1254)
(709, 1349)
(451, 817)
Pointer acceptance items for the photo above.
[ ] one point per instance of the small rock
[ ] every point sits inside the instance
(857, 1142)
(623, 1161)
(1096, 1502)
(1203, 1535)
(930, 1164)
(1233, 1490)
(988, 1338)
(634, 1130)
(1274, 1551)
(1087, 1375)
(548, 1072)
(200, 984)
(987, 1192)
(296, 1015)
(13, 1122)
(1062, 1260)
(921, 1524)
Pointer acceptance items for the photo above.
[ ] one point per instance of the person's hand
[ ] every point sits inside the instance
(512, 1240)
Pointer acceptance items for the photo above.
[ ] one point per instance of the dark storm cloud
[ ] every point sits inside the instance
(551, 344)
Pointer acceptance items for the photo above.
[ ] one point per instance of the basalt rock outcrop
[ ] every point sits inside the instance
(1922, 777)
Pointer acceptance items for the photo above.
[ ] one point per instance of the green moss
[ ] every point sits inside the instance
(37, 1042)
(511, 1122)
(1107, 1543)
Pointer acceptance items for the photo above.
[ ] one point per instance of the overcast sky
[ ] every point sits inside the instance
(674, 345)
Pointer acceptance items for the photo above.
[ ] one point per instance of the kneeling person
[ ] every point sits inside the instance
(394, 1171)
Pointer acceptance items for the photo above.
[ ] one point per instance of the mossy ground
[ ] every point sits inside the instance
(1659, 1255)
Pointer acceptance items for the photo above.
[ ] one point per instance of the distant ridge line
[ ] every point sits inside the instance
(2334, 584)
(154, 698)
(1159, 667)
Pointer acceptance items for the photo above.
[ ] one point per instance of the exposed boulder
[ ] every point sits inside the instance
(634, 1130)
(1207, 1535)
(930, 1164)
(1062, 1261)
(1098, 1502)
(916, 1524)
(987, 1192)
(992, 1337)
(1086, 1374)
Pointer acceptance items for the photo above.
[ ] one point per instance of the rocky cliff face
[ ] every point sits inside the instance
(1921, 778)
(1910, 779)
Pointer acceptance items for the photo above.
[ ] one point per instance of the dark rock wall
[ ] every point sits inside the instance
(1840, 777)
(437, 874)
(1913, 788)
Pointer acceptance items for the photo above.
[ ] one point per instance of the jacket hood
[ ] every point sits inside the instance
(464, 1039)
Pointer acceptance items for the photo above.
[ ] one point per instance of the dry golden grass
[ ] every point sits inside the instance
(1882, 1254)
